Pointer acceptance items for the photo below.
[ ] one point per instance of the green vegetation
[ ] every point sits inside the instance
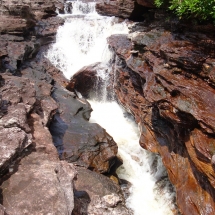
(201, 9)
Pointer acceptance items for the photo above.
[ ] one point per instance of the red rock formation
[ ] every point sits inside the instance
(166, 87)
(125, 9)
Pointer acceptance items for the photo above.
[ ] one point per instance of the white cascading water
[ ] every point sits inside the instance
(146, 198)
(82, 41)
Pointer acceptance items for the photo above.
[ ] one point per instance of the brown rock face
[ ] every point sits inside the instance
(36, 175)
(32, 97)
(30, 9)
(40, 183)
(33, 180)
(125, 9)
(167, 84)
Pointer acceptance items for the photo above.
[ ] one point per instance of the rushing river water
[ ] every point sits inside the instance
(80, 42)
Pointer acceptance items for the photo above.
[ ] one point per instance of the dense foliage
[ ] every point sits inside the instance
(202, 9)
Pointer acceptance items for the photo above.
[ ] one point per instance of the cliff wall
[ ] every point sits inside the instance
(165, 77)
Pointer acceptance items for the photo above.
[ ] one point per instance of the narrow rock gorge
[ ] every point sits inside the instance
(53, 160)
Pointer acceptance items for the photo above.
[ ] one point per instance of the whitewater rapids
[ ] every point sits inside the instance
(82, 41)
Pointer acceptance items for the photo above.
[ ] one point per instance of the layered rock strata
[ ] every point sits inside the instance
(99, 195)
(165, 79)
(33, 180)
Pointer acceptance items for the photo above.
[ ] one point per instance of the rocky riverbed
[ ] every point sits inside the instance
(164, 77)
(37, 114)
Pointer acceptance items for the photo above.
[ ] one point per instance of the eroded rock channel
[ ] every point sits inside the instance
(53, 160)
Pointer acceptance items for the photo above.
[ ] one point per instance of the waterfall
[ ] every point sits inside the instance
(82, 41)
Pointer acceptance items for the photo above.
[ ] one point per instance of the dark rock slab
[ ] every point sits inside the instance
(46, 29)
(19, 51)
(77, 140)
(45, 105)
(121, 44)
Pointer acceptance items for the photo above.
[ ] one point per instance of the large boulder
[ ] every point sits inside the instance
(91, 81)
(77, 140)
(40, 186)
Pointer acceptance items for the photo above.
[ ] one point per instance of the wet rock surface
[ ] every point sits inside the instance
(77, 140)
(90, 83)
(161, 78)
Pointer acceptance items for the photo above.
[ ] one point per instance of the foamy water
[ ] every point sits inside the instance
(82, 41)
(137, 162)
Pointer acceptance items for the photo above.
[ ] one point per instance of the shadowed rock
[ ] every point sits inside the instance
(77, 140)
